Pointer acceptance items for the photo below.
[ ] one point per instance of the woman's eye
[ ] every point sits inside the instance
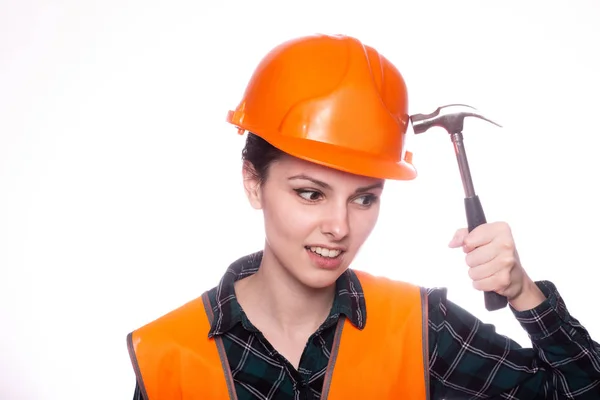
(365, 200)
(309, 195)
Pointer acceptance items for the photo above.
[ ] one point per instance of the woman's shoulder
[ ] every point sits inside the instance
(391, 287)
(385, 281)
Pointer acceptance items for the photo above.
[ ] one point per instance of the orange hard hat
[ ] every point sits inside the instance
(333, 101)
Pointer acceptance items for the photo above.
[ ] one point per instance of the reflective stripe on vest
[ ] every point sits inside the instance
(174, 359)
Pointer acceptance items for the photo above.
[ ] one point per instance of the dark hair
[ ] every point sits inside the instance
(260, 154)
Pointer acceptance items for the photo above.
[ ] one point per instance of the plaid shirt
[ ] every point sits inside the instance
(468, 359)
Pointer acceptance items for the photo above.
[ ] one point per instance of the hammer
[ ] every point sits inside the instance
(451, 118)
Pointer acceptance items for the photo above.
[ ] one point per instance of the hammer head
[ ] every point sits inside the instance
(450, 117)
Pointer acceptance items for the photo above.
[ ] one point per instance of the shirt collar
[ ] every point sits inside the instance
(349, 298)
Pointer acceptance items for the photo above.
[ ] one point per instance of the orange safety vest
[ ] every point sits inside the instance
(174, 359)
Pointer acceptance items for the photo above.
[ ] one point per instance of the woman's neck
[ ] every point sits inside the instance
(272, 296)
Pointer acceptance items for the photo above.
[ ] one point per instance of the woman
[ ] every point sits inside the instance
(327, 117)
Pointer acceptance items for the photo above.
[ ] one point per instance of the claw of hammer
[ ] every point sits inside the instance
(450, 117)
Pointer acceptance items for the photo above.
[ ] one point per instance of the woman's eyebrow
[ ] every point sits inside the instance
(313, 180)
(378, 185)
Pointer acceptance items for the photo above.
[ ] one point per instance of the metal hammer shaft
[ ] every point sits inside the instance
(463, 163)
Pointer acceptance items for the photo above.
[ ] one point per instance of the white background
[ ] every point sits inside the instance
(120, 186)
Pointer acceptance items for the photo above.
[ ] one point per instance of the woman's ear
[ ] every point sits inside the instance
(251, 185)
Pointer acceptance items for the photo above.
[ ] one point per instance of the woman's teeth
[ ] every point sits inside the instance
(325, 252)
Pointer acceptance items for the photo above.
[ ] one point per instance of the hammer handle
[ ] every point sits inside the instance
(476, 217)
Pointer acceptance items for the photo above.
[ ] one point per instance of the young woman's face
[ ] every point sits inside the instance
(316, 218)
